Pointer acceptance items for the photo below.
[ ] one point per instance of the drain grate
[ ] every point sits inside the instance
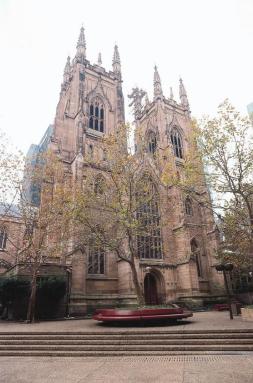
(178, 358)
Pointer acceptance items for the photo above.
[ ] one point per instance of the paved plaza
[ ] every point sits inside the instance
(222, 368)
(171, 369)
(200, 321)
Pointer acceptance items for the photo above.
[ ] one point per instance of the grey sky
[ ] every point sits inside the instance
(208, 43)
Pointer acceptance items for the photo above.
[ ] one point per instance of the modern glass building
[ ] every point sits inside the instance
(250, 111)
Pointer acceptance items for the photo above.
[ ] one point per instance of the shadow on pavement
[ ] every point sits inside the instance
(154, 323)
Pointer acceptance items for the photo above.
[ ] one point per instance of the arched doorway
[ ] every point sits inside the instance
(150, 290)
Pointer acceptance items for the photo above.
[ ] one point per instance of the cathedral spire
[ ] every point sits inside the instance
(182, 94)
(81, 45)
(116, 67)
(171, 94)
(158, 93)
(99, 59)
(116, 61)
(146, 100)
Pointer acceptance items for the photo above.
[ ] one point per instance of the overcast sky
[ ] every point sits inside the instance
(207, 42)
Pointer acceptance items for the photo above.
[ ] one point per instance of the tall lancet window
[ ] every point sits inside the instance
(148, 218)
(3, 238)
(96, 115)
(99, 185)
(176, 141)
(188, 206)
(96, 261)
(152, 142)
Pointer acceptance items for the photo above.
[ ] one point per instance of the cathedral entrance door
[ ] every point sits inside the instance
(150, 289)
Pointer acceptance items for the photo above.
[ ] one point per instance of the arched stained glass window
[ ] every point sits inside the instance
(148, 217)
(152, 143)
(188, 206)
(90, 151)
(96, 115)
(176, 141)
(99, 185)
(96, 261)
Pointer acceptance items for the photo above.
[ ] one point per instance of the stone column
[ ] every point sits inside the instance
(78, 304)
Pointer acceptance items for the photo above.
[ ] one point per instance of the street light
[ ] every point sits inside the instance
(224, 267)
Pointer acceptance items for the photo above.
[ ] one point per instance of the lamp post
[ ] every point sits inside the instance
(69, 280)
(224, 267)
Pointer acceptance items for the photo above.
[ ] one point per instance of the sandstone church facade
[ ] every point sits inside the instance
(91, 105)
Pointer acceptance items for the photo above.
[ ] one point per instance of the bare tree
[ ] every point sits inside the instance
(114, 203)
(226, 145)
(45, 226)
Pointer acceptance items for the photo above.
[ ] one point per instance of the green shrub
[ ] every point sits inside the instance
(15, 292)
(13, 289)
(51, 288)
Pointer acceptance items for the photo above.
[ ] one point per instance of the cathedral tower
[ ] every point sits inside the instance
(91, 102)
(91, 106)
(183, 266)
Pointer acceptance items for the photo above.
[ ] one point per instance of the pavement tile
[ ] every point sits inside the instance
(147, 369)
(200, 321)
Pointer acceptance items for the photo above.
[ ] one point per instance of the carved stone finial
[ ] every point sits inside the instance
(146, 100)
(116, 65)
(137, 96)
(183, 94)
(67, 66)
(81, 46)
(67, 70)
(116, 56)
(158, 93)
(99, 59)
(171, 94)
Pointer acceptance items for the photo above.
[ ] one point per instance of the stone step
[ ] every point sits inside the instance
(126, 335)
(112, 348)
(116, 353)
(124, 341)
(124, 332)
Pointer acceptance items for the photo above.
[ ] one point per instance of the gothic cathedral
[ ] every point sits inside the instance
(92, 105)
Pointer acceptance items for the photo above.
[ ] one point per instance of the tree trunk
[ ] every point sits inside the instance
(137, 286)
(32, 300)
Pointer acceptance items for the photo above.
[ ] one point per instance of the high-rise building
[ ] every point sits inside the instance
(250, 111)
(31, 190)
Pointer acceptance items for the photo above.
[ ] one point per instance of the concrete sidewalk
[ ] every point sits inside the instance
(212, 320)
(149, 369)
(171, 369)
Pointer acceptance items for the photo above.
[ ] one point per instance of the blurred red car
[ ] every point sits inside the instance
(111, 315)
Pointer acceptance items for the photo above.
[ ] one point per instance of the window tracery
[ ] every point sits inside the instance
(96, 261)
(148, 216)
(152, 143)
(99, 185)
(176, 141)
(188, 206)
(96, 115)
(90, 152)
(3, 238)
